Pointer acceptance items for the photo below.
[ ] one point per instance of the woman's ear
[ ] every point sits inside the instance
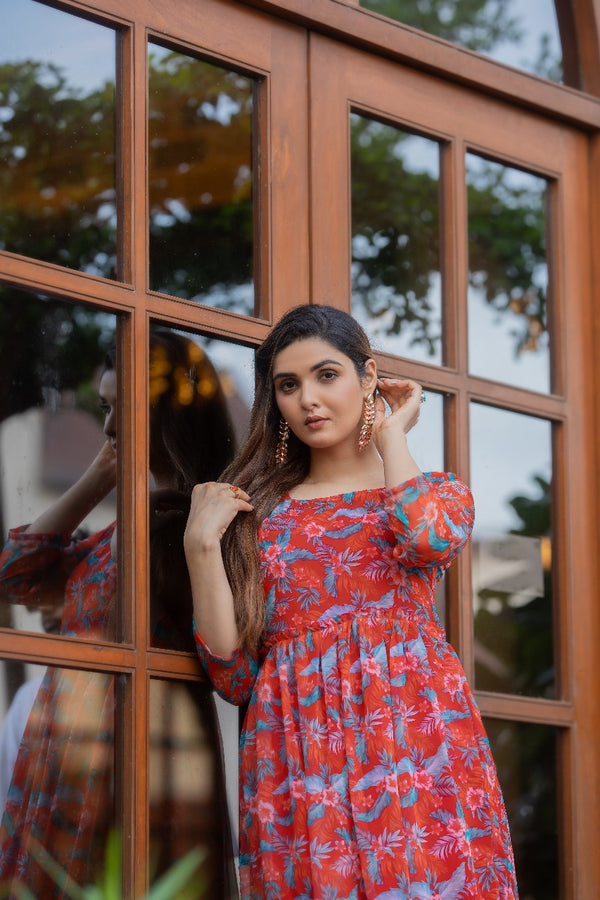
(369, 380)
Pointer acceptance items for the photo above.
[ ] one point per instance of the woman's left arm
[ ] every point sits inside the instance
(389, 431)
(432, 515)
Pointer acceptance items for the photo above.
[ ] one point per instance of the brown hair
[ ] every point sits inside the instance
(254, 468)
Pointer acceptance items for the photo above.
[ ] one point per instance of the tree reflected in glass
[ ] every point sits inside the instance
(396, 238)
(57, 139)
(201, 181)
(508, 274)
(520, 33)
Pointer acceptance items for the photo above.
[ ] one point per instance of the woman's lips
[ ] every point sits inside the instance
(314, 422)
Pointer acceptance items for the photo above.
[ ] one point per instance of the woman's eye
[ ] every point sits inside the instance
(105, 409)
(328, 375)
(287, 386)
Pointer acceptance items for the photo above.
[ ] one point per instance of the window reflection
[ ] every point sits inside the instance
(508, 275)
(57, 138)
(57, 773)
(511, 479)
(57, 465)
(193, 407)
(188, 804)
(201, 177)
(519, 33)
(526, 758)
(396, 284)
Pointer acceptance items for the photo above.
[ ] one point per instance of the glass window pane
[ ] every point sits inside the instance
(519, 33)
(508, 275)
(199, 410)
(201, 181)
(58, 466)
(526, 759)
(396, 284)
(511, 478)
(57, 138)
(188, 802)
(57, 774)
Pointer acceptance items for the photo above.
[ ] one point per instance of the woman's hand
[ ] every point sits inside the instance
(404, 400)
(214, 506)
(101, 473)
(389, 432)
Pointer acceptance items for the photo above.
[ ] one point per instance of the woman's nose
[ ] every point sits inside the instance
(307, 396)
(110, 429)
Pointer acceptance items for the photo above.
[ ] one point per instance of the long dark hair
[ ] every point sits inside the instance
(254, 467)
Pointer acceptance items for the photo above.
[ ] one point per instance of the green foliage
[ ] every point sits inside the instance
(182, 880)
(47, 345)
(476, 24)
(57, 169)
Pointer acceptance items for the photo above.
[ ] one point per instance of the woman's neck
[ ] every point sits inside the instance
(332, 473)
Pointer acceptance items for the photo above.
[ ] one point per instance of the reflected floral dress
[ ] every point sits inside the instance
(365, 771)
(60, 797)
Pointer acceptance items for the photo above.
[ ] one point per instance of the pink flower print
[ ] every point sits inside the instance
(457, 829)
(453, 682)
(265, 692)
(371, 518)
(371, 666)
(422, 779)
(330, 797)
(409, 663)
(275, 564)
(313, 530)
(476, 798)
(430, 513)
(297, 788)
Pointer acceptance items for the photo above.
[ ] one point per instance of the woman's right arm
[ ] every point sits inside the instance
(63, 516)
(213, 507)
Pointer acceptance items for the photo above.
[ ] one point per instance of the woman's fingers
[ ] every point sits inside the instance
(213, 507)
(403, 397)
(399, 392)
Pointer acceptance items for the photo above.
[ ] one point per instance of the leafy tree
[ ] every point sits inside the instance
(57, 169)
(396, 239)
(476, 24)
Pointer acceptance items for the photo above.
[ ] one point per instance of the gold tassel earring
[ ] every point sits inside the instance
(367, 425)
(282, 448)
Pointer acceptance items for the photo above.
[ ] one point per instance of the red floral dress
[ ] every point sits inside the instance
(60, 796)
(365, 770)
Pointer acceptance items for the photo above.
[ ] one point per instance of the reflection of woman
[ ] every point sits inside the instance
(365, 771)
(64, 770)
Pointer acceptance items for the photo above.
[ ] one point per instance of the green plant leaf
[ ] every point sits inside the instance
(173, 882)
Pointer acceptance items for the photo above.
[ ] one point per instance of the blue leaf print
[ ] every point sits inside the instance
(383, 801)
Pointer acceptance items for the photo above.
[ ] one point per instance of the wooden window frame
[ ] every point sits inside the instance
(294, 265)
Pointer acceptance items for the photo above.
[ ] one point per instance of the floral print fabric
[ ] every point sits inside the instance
(365, 771)
(61, 790)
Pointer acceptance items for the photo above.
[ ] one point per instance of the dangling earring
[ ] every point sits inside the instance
(282, 449)
(367, 425)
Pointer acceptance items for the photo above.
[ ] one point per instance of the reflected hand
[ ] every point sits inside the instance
(404, 399)
(103, 468)
(214, 506)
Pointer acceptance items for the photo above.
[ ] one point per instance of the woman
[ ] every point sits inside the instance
(61, 792)
(365, 771)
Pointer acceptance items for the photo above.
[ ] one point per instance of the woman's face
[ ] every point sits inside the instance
(108, 403)
(319, 393)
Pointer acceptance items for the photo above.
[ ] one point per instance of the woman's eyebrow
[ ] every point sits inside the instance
(324, 362)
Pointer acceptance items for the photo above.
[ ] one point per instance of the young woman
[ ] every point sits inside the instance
(365, 771)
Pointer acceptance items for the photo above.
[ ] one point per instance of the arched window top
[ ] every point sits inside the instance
(521, 33)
